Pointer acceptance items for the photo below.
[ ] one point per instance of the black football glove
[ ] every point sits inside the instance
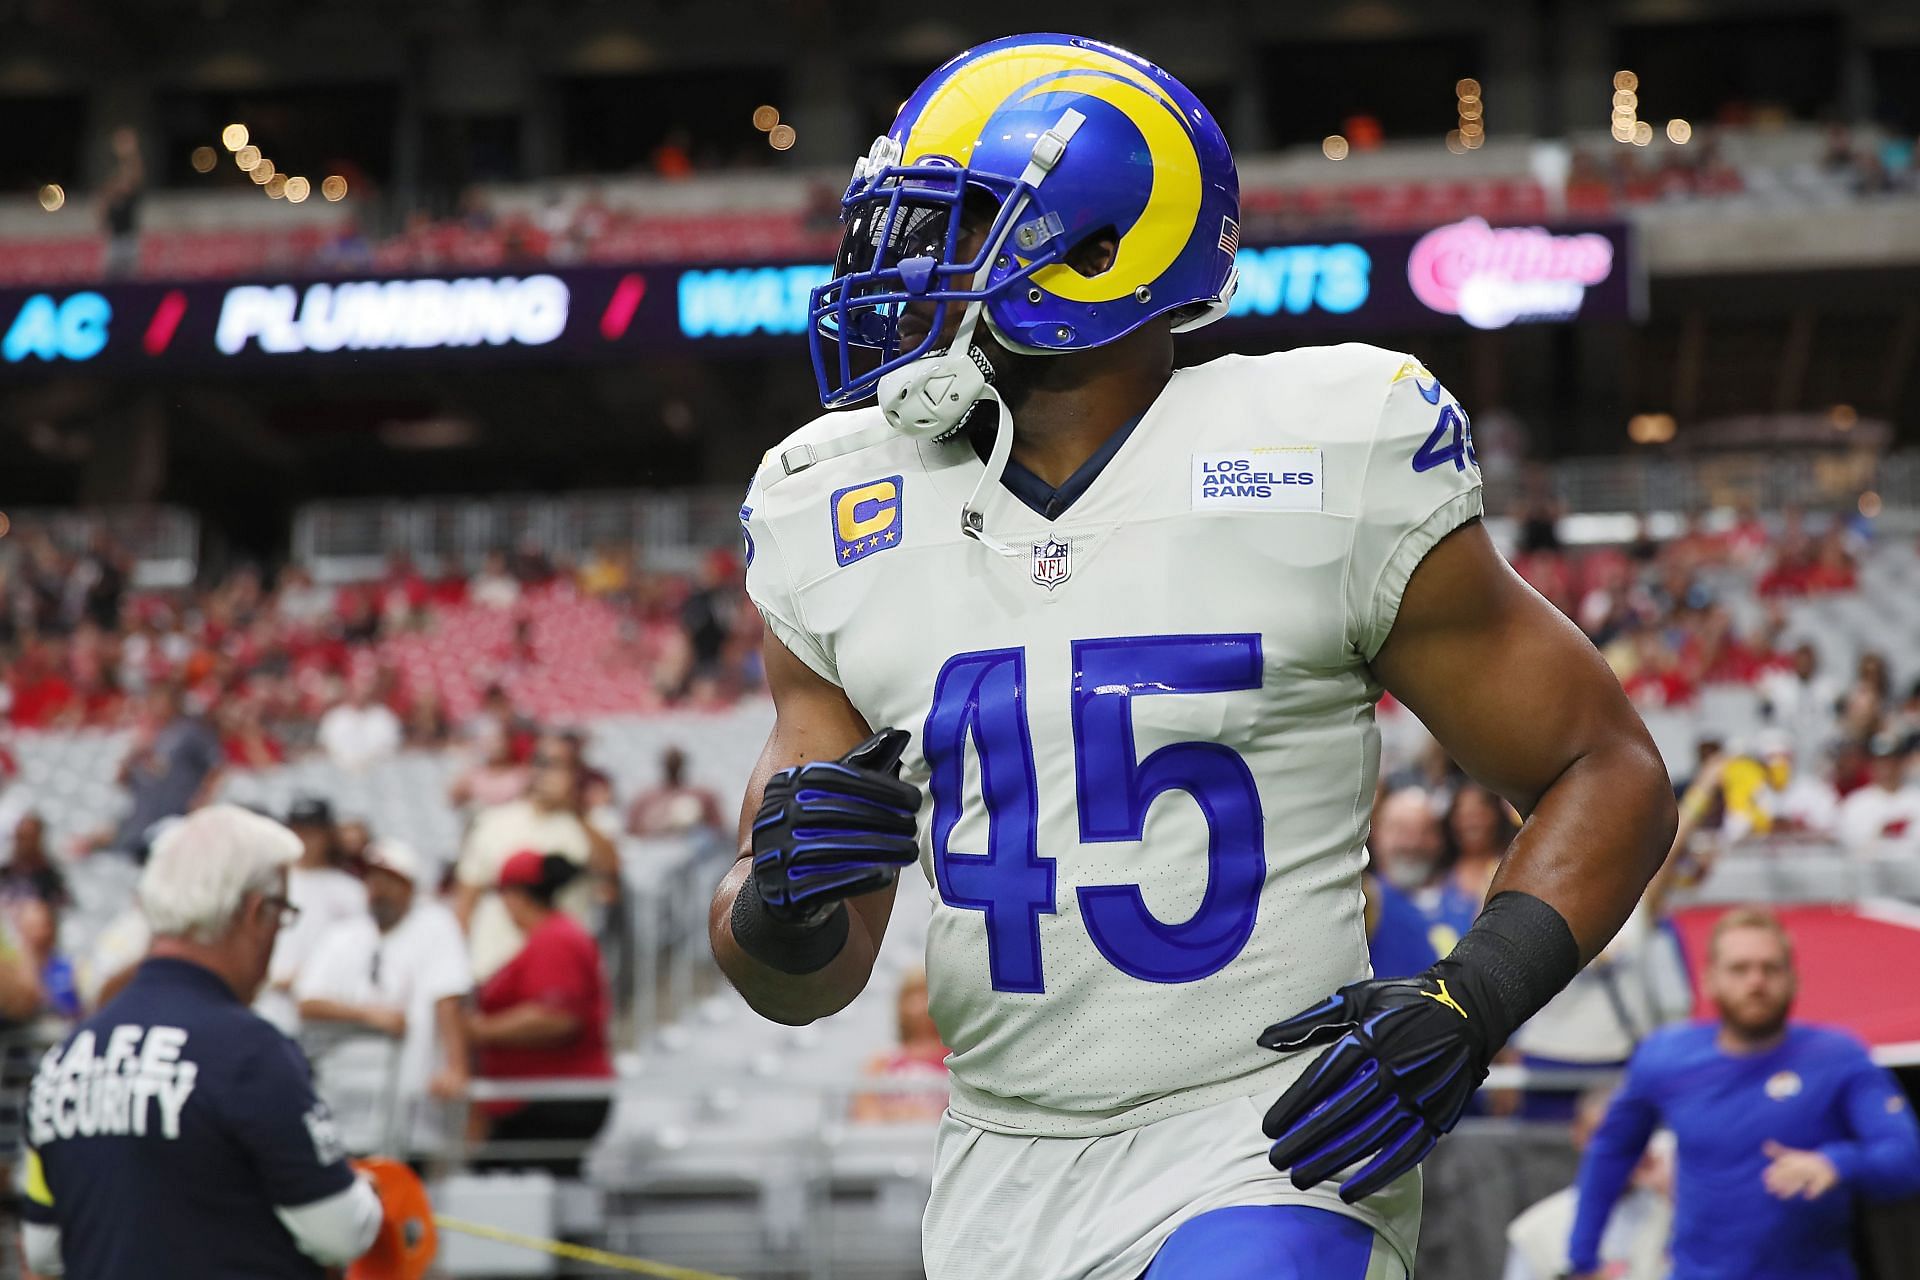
(1405, 1055)
(829, 830)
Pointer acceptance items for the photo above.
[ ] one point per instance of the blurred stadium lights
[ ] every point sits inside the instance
(276, 186)
(334, 188)
(261, 173)
(1679, 132)
(1627, 125)
(297, 189)
(1869, 504)
(1843, 417)
(234, 136)
(1455, 143)
(1651, 428)
(53, 197)
(781, 137)
(203, 159)
(1334, 147)
(765, 117)
(247, 157)
(1471, 110)
(6, 524)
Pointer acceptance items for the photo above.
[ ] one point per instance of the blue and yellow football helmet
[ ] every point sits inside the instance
(1062, 139)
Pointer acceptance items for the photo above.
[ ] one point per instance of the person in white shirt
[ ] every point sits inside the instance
(400, 970)
(547, 821)
(322, 894)
(1887, 809)
(362, 730)
(1803, 703)
(1635, 1246)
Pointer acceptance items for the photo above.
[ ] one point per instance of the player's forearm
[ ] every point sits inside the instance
(794, 999)
(1594, 839)
(1883, 1162)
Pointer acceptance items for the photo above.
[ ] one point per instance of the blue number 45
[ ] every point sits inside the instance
(980, 699)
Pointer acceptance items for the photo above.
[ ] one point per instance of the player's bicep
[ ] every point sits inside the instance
(1507, 683)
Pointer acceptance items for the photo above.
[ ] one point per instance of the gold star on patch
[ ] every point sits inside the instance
(891, 535)
(846, 553)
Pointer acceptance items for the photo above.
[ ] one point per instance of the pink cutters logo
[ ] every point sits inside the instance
(1492, 277)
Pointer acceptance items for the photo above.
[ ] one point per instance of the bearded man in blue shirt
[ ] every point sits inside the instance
(1780, 1127)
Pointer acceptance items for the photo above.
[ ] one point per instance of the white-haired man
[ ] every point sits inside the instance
(175, 1134)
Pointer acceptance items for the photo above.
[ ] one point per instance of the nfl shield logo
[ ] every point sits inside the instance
(1052, 562)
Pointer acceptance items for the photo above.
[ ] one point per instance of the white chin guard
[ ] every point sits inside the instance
(931, 397)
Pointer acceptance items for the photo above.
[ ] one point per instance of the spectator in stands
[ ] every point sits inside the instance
(21, 995)
(1406, 841)
(1888, 807)
(1397, 942)
(427, 726)
(675, 807)
(544, 1014)
(497, 713)
(37, 925)
(120, 198)
(1479, 826)
(495, 778)
(361, 731)
(29, 871)
(300, 600)
(1904, 721)
(322, 895)
(494, 586)
(608, 572)
(1768, 793)
(402, 971)
(172, 766)
(244, 739)
(595, 785)
(1634, 1246)
(97, 584)
(920, 1055)
(1432, 772)
(546, 821)
(1802, 702)
(707, 619)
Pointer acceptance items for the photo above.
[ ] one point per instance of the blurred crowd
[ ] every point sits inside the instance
(283, 666)
(490, 959)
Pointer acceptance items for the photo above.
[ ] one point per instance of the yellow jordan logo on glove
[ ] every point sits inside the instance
(1446, 998)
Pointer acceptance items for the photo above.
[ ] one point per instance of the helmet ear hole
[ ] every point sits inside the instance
(1096, 252)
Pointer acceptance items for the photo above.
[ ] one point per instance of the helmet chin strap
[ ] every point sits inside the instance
(973, 521)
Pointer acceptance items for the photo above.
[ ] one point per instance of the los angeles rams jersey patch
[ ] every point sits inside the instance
(866, 518)
(1279, 479)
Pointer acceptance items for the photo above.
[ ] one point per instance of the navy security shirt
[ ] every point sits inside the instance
(168, 1128)
(1815, 1091)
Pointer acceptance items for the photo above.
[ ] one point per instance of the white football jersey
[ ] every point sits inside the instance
(1148, 736)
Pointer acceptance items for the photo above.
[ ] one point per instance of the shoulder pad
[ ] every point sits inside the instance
(831, 435)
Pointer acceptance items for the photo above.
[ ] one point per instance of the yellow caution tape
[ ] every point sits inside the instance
(574, 1252)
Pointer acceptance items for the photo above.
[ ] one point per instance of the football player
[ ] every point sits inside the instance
(1121, 628)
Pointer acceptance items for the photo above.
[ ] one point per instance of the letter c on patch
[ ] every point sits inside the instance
(867, 509)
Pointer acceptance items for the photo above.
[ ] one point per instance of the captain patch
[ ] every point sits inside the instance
(866, 518)
(1278, 479)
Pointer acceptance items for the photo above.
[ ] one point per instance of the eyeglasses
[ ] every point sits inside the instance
(287, 915)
